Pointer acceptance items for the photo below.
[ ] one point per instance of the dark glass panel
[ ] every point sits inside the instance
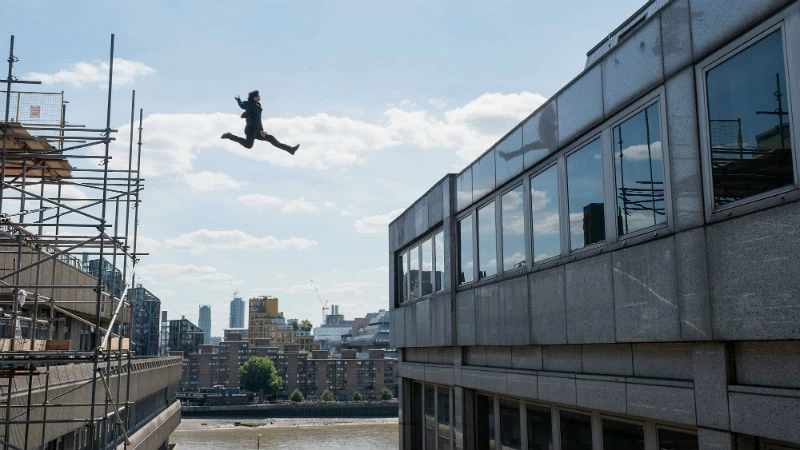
(675, 440)
(622, 435)
(438, 244)
(484, 422)
(540, 428)
(510, 429)
(585, 187)
(576, 431)
(443, 407)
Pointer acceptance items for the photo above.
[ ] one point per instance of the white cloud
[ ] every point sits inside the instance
(298, 205)
(376, 224)
(210, 181)
(258, 200)
(174, 141)
(201, 241)
(125, 73)
(437, 103)
(163, 273)
(641, 152)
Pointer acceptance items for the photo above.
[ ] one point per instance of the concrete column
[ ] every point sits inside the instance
(711, 377)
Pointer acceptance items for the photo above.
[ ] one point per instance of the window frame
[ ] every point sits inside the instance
(416, 245)
(493, 200)
(515, 183)
(788, 27)
(562, 200)
(472, 214)
(656, 96)
(602, 135)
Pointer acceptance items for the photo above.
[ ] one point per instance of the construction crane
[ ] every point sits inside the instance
(323, 303)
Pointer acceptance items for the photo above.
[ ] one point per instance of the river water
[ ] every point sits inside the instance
(294, 434)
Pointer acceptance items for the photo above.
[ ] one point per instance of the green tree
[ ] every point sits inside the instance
(258, 374)
(306, 325)
(327, 396)
(297, 396)
(387, 394)
(357, 397)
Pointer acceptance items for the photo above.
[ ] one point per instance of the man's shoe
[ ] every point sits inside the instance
(294, 149)
(226, 136)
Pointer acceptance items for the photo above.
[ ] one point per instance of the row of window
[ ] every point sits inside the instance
(421, 269)
(565, 201)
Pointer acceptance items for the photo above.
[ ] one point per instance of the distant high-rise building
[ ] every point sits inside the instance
(163, 345)
(184, 336)
(267, 326)
(237, 313)
(205, 322)
(146, 324)
(110, 275)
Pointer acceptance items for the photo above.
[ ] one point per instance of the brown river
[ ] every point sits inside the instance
(294, 434)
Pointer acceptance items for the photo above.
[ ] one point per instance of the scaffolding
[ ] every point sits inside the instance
(59, 201)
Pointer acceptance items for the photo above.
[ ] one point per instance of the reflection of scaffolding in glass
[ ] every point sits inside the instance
(51, 211)
(740, 170)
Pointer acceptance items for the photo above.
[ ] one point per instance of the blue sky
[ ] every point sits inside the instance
(383, 97)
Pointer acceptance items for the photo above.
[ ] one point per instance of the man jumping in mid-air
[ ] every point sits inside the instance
(254, 129)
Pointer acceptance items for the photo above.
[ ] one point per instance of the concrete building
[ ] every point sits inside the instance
(236, 319)
(146, 324)
(268, 327)
(620, 270)
(204, 322)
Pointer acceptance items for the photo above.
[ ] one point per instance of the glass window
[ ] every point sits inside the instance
(748, 122)
(487, 242)
(545, 220)
(484, 430)
(510, 429)
(508, 157)
(622, 435)
(465, 261)
(585, 188)
(443, 407)
(540, 135)
(438, 244)
(513, 229)
(676, 440)
(430, 417)
(403, 263)
(639, 171)
(413, 270)
(483, 176)
(464, 189)
(540, 429)
(576, 431)
(427, 266)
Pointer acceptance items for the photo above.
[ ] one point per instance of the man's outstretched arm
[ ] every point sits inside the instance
(240, 102)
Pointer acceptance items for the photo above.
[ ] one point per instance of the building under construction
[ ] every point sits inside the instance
(69, 374)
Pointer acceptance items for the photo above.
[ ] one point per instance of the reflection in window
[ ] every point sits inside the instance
(465, 260)
(540, 430)
(430, 417)
(414, 273)
(513, 229)
(427, 266)
(403, 263)
(639, 169)
(749, 122)
(438, 244)
(487, 242)
(585, 188)
(510, 430)
(539, 135)
(464, 189)
(576, 431)
(484, 432)
(508, 157)
(483, 176)
(545, 220)
(622, 435)
(443, 407)
(416, 415)
(676, 440)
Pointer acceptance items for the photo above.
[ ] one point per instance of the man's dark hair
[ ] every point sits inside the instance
(252, 95)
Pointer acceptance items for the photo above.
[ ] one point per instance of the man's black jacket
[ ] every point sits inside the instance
(252, 113)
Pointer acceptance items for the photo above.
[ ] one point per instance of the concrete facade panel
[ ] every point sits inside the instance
(548, 307)
(410, 312)
(676, 36)
(764, 415)
(522, 385)
(423, 319)
(692, 281)
(516, 317)
(668, 403)
(645, 294)
(488, 315)
(633, 67)
(683, 152)
(607, 359)
(715, 23)
(442, 321)
(708, 439)
(775, 364)
(753, 269)
(498, 356)
(561, 358)
(466, 331)
(711, 384)
(580, 105)
(557, 389)
(590, 301)
(666, 361)
(602, 395)
(528, 357)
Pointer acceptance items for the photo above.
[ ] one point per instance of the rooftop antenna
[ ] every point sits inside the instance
(323, 303)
